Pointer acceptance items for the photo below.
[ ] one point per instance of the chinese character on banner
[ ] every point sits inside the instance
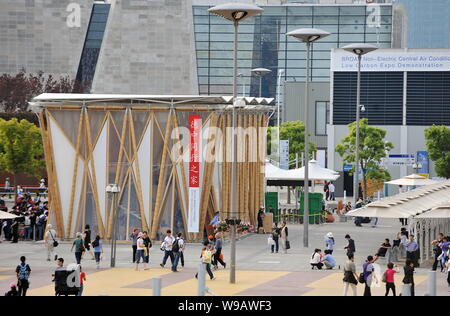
(195, 130)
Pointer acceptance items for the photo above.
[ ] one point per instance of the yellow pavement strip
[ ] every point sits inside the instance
(114, 283)
(221, 286)
(5, 277)
(332, 285)
(110, 282)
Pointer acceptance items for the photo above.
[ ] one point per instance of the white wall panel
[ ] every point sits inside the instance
(100, 163)
(145, 169)
(65, 155)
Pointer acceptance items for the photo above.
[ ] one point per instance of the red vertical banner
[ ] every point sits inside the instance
(195, 131)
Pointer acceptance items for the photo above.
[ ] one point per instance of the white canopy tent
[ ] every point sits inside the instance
(428, 206)
(413, 180)
(5, 215)
(316, 173)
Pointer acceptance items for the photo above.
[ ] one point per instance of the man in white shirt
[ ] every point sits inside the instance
(167, 247)
(332, 189)
(49, 242)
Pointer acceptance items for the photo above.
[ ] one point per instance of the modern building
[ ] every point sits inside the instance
(177, 47)
(404, 91)
(428, 23)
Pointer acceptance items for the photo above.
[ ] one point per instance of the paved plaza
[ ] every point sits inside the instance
(259, 273)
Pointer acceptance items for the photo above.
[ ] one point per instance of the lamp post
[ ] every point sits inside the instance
(307, 36)
(241, 75)
(234, 12)
(280, 75)
(417, 166)
(114, 190)
(359, 50)
(261, 72)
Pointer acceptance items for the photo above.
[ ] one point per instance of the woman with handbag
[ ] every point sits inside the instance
(350, 276)
(50, 242)
(284, 234)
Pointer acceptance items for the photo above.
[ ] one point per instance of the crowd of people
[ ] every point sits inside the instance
(31, 220)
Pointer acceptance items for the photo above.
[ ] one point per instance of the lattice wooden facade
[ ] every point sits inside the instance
(136, 143)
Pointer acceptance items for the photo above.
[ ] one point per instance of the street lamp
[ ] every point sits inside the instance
(241, 75)
(234, 12)
(359, 50)
(307, 36)
(114, 190)
(261, 72)
(280, 75)
(417, 166)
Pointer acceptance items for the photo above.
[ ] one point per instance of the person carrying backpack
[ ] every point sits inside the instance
(23, 272)
(177, 249)
(97, 244)
(206, 258)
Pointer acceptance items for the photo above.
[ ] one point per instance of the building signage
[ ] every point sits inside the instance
(195, 128)
(400, 160)
(393, 60)
(284, 154)
(423, 160)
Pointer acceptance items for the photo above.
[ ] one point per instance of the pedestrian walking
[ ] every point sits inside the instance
(148, 244)
(218, 253)
(97, 244)
(177, 250)
(351, 247)
(284, 234)
(409, 275)
(23, 272)
(330, 243)
(140, 252)
(134, 237)
(350, 276)
(389, 279)
(368, 272)
(88, 241)
(206, 258)
(447, 266)
(275, 246)
(83, 279)
(437, 251)
(316, 260)
(332, 190)
(167, 248)
(50, 242)
(78, 244)
(326, 189)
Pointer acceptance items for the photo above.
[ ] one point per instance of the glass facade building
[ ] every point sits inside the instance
(263, 43)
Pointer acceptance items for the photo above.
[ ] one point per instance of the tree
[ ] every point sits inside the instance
(372, 150)
(295, 133)
(438, 145)
(21, 148)
(16, 91)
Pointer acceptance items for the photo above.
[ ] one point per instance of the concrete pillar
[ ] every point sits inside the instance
(201, 279)
(432, 285)
(156, 287)
(406, 290)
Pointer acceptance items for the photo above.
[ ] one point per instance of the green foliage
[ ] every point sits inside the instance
(372, 150)
(21, 147)
(295, 133)
(438, 145)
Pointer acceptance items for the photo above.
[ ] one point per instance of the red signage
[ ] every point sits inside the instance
(195, 129)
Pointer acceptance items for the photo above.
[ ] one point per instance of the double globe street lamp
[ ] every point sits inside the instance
(114, 190)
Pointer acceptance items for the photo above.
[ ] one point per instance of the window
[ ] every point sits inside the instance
(322, 117)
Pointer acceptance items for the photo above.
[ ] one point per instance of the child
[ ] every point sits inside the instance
(390, 278)
(206, 258)
(82, 280)
(13, 291)
(98, 250)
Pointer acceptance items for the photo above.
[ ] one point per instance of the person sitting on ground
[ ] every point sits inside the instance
(316, 259)
(328, 260)
(383, 250)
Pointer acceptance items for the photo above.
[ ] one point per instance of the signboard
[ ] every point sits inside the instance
(400, 160)
(423, 159)
(195, 128)
(284, 154)
(393, 60)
